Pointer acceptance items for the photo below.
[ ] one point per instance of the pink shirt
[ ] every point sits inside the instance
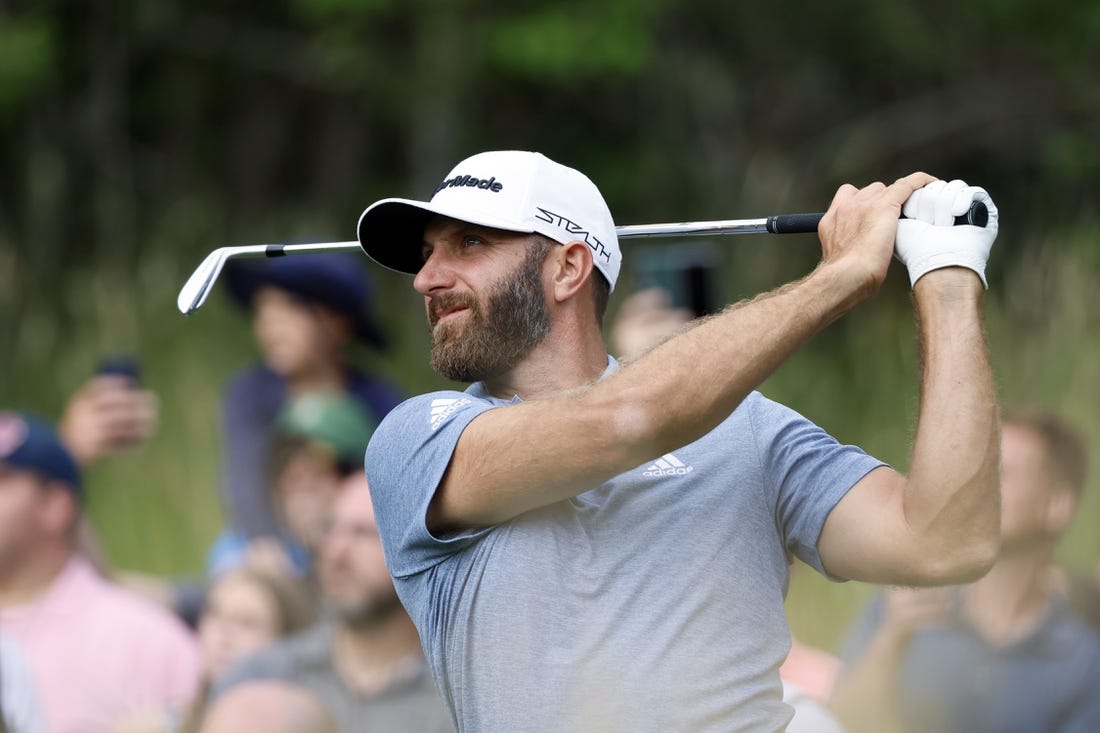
(97, 652)
(812, 670)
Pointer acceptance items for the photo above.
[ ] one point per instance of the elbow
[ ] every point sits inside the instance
(971, 565)
(641, 425)
(962, 541)
(631, 426)
(959, 562)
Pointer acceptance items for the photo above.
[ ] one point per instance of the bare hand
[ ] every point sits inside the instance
(644, 320)
(911, 609)
(107, 415)
(859, 229)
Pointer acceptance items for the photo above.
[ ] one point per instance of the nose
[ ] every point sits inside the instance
(435, 274)
(334, 542)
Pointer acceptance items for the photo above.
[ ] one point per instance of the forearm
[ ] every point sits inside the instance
(951, 499)
(708, 370)
(669, 397)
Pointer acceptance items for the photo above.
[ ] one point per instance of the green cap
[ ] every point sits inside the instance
(333, 419)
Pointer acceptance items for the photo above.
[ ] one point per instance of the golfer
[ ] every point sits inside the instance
(588, 546)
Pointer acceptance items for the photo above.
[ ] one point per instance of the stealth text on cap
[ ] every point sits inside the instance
(593, 242)
(490, 184)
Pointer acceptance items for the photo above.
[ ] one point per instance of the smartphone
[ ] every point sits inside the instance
(689, 271)
(121, 365)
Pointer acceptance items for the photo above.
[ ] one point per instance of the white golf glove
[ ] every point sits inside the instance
(928, 238)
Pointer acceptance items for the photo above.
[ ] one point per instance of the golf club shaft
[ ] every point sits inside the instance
(977, 215)
(202, 280)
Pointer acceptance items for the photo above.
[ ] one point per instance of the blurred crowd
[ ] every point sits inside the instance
(295, 625)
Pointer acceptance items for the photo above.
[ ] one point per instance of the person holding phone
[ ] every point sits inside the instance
(109, 413)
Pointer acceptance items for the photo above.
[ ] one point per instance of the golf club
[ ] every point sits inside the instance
(198, 286)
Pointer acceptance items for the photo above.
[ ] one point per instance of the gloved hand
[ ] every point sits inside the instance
(928, 238)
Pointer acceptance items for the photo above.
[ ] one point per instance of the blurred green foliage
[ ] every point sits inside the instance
(137, 136)
(26, 60)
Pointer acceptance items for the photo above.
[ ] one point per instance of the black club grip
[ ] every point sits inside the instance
(794, 223)
(977, 215)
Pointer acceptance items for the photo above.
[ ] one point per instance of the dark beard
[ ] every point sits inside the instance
(489, 344)
(368, 611)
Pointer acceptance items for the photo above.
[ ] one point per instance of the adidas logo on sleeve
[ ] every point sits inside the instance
(668, 465)
(443, 409)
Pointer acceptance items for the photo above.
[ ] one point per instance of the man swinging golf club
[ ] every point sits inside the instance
(586, 546)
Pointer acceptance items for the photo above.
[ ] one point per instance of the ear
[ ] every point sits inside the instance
(335, 323)
(60, 510)
(572, 268)
(1059, 511)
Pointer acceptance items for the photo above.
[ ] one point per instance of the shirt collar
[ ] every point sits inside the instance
(478, 390)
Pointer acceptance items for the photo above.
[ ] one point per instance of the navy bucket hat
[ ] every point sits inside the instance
(333, 279)
(31, 444)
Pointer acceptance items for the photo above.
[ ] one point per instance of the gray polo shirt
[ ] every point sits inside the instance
(410, 705)
(653, 602)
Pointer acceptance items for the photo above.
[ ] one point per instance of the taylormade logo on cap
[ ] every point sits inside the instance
(489, 183)
(512, 190)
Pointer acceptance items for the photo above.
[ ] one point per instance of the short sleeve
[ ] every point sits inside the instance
(807, 472)
(406, 459)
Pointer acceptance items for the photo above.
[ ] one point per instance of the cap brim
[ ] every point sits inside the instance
(391, 231)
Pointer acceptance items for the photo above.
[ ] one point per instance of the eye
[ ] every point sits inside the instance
(470, 240)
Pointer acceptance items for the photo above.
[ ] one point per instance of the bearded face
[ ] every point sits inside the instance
(351, 566)
(358, 599)
(498, 331)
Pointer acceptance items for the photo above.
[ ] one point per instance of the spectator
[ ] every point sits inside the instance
(364, 661)
(307, 311)
(645, 319)
(95, 651)
(247, 609)
(1005, 653)
(269, 706)
(319, 441)
(108, 414)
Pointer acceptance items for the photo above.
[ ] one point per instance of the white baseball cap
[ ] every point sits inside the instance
(512, 190)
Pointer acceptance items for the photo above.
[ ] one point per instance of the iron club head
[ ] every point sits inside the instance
(198, 286)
